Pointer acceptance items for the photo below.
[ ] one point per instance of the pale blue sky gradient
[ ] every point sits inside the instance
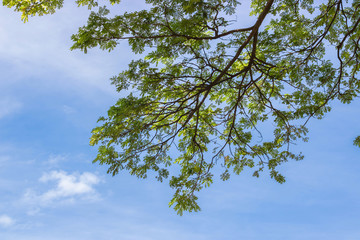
(50, 100)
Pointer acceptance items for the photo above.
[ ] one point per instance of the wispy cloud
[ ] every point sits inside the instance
(54, 160)
(6, 221)
(68, 188)
(8, 106)
(68, 110)
(22, 46)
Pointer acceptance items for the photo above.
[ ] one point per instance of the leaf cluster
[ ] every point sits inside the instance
(206, 89)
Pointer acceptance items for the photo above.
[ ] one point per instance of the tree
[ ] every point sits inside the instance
(208, 88)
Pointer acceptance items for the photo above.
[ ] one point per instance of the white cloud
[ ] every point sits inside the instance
(54, 160)
(6, 221)
(68, 110)
(69, 187)
(41, 49)
(4, 159)
(33, 211)
(8, 106)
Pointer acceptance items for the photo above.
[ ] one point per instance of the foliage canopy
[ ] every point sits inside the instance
(208, 84)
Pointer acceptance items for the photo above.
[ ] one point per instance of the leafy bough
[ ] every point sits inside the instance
(205, 88)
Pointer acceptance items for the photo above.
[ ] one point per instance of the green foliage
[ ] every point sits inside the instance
(357, 141)
(205, 90)
(33, 7)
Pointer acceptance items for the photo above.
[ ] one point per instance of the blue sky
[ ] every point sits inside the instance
(50, 100)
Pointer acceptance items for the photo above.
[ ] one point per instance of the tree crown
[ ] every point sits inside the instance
(205, 89)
